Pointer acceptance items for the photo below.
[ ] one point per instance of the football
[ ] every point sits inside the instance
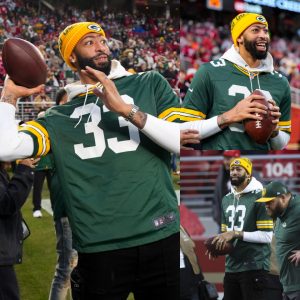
(260, 130)
(24, 63)
(214, 251)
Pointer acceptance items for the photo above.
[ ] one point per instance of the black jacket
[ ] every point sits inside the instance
(13, 194)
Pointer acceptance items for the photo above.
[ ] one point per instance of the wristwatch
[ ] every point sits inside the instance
(133, 111)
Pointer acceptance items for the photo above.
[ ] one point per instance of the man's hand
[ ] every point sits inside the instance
(221, 239)
(189, 136)
(244, 109)
(108, 92)
(11, 92)
(210, 255)
(110, 96)
(295, 257)
(29, 162)
(276, 114)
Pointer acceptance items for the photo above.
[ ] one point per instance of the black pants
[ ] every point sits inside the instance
(9, 289)
(273, 287)
(247, 285)
(38, 180)
(292, 296)
(149, 271)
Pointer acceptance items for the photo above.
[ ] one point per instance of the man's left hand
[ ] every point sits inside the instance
(295, 257)
(276, 115)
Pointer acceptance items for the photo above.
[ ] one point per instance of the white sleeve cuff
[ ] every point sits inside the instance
(280, 141)
(264, 237)
(163, 133)
(206, 128)
(13, 145)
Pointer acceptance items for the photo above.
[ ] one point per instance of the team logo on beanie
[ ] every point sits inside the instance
(236, 162)
(94, 27)
(261, 19)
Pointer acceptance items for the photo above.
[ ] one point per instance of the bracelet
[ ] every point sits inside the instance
(237, 234)
(133, 111)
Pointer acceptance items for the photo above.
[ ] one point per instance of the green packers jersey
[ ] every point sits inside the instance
(218, 86)
(287, 232)
(44, 163)
(116, 182)
(244, 214)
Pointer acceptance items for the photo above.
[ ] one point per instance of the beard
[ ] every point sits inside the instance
(251, 48)
(104, 67)
(237, 181)
(274, 213)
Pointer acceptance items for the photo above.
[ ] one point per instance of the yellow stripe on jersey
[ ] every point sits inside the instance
(193, 113)
(285, 126)
(264, 224)
(169, 113)
(182, 114)
(41, 135)
(223, 227)
(183, 118)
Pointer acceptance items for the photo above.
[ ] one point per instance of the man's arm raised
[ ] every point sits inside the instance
(13, 144)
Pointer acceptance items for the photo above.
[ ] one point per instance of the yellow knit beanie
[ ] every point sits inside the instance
(242, 21)
(71, 35)
(242, 162)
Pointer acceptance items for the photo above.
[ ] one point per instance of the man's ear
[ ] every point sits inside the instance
(73, 58)
(240, 40)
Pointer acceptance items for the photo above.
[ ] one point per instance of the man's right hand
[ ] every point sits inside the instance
(29, 162)
(189, 136)
(244, 109)
(11, 92)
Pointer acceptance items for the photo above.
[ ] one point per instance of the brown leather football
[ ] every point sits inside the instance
(24, 63)
(260, 130)
(214, 251)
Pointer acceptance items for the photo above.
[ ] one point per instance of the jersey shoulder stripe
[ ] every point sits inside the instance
(285, 126)
(39, 135)
(187, 114)
(182, 114)
(223, 227)
(264, 224)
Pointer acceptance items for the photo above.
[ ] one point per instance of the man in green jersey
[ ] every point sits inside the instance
(222, 84)
(115, 181)
(246, 224)
(283, 205)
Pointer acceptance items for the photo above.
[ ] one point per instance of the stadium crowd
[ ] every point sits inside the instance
(202, 42)
(141, 42)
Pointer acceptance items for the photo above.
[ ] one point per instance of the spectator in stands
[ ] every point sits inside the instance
(42, 102)
(284, 206)
(218, 86)
(13, 194)
(223, 185)
(246, 224)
